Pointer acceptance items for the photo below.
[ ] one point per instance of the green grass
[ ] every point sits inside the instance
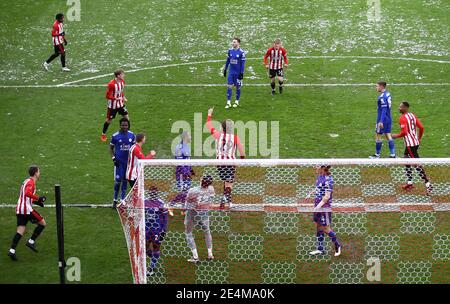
(58, 128)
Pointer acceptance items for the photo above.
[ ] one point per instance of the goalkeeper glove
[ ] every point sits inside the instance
(65, 41)
(116, 162)
(40, 201)
(241, 76)
(224, 73)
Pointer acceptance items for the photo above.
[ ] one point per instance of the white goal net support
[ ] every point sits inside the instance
(263, 231)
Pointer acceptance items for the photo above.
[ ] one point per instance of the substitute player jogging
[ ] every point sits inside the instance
(274, 60)
(59, 41)
(236, 62)
(323, 199)
(409, 123)
(26, 213)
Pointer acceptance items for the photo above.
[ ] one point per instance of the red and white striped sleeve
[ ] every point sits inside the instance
(286, 61)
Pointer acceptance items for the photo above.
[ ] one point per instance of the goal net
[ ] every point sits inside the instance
(391, 217)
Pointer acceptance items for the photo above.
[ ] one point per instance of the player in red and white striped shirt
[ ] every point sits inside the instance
(25, 212)
(116, 100)
(409, 123)
(274, 60)
(134, 154)
(59, 41)
(226, 144)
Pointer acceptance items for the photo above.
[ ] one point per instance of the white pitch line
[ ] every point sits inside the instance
(221, 85)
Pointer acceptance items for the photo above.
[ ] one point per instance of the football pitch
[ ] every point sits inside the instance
(172, 54)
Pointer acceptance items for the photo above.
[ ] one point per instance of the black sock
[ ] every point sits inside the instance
(227, 193)
(52, 57)
(422, 174)
(37, 231)
(105, 127)
(272, 84)
(280, 83)
(15, 240)
(408, 173)
(63, 59)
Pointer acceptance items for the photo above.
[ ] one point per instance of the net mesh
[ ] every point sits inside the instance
(262, 231)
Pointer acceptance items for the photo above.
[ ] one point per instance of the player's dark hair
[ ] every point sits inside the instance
(382, 83)
(237, 39)
(406, 104)
(124, 119)
(206, 181)
(326, 169)
(118, 72)
(59, 16)
(32, 170)
(140, 137)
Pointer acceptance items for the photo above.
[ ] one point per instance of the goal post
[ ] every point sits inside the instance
(271, 199)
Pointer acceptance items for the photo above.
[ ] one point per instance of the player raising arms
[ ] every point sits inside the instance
(25, 212)
(323, 199)
(59, 38)
(134, 154)
(121, 143)
(198, 203)
(156, 220)
(409, 123)
(236, 62)
(384, 121)
(116, 100)
(274, 60)
(226, 144)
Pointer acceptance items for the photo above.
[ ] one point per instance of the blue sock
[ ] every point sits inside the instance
(320, 239)
(334, 239)
(155, 258)
(116, 189)
(229, 92)
(124, 189)
(238, 93)
(378, 146)
(391, 146)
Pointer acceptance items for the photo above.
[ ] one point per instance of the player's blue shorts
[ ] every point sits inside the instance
(120, 172)
(323, 218)
(387, 125)
(233, 80)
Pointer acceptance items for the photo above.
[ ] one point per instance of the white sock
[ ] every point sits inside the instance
(31, 241)
(12, 250)
(228, 101)
(427, 184)
(210, 252)
(236, 101)
(195, 253)
(410, 182)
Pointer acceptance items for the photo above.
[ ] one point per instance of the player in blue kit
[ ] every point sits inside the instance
(236, 62)
(156, 221)
(121, 142)
(384, 121)
(322, 201)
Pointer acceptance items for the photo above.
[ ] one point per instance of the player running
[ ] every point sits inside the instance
(226, 144)
(409, 123)
(59, 38)
(274, 60)
(198, 203)
(236, 61)
(384, 121)
(323, 199)
(134, 154)
(25, 212)
(156, 221)
(119, 146)
(116, 100)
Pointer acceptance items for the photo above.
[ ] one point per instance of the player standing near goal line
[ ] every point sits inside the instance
(134, 154)
(226, 144)
(156, 220)
(408, 125)
(323, 199)
(25, 212)
(236, 61)
(198, 202)
(384, 121)
(116, 100)
(274, 60)
(59, 38)
(119, 146)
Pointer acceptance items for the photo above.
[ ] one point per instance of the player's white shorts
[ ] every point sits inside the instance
(196, 218)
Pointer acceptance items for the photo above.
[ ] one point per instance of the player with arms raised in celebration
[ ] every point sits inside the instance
(323, 199)
(274, 60)
(409, 123)
(25, 212)
(58, 38)
(226, 144)
(236, 62)
(198, 202)
(134, 154)
(384, 121)
(116, 100)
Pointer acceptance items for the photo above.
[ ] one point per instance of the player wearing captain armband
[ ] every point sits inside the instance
(322, 201)
(183, 174)
(226, 144)
(198, 203)
(156, 220)
(236, 62)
